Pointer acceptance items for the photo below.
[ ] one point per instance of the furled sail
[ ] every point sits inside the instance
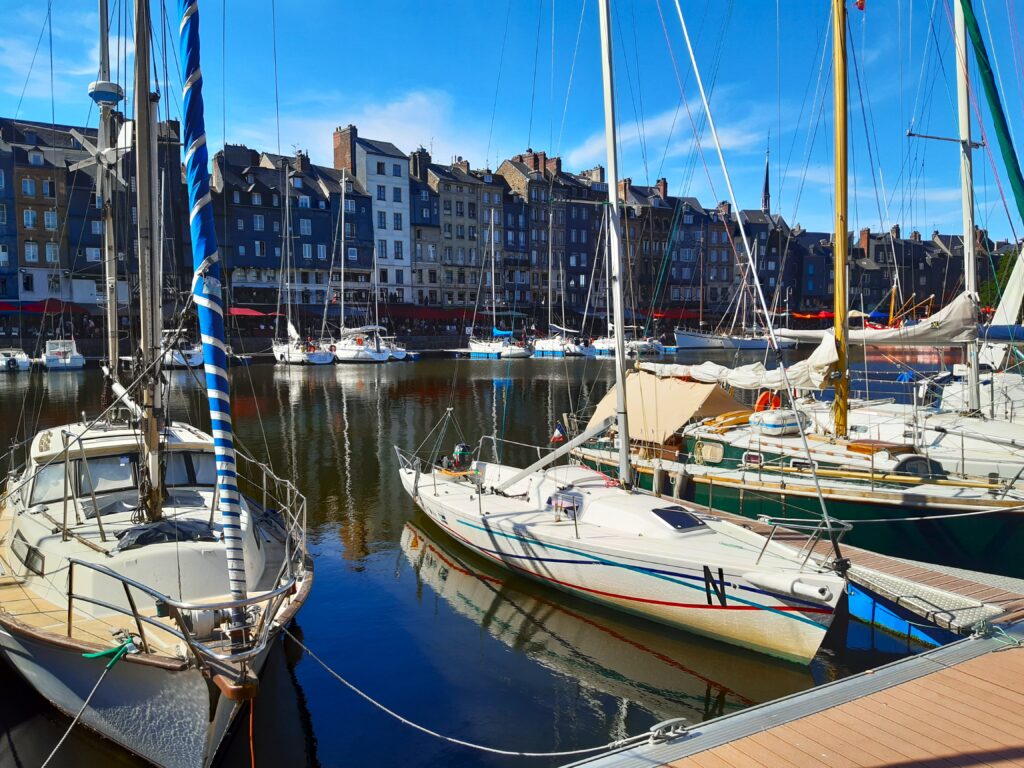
(206, 288)
(956, 323)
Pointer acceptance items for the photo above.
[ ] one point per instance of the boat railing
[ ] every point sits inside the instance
(813, 530)
(194, 623)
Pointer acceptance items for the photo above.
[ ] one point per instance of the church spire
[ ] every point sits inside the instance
(766, 194)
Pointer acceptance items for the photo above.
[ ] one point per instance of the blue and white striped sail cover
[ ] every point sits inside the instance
(206, 288)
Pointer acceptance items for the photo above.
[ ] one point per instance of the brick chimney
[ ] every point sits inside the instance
(915, 236)
(419, 162)
(554, 165)
(662, 186)
(595, 174)
(462, 165)
(345, 148)
(725, 208)
(895, 232)
(865, 240)
(301, 162)
(625, 185)
(535, 161)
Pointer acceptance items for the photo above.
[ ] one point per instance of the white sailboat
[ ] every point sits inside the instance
(62, 355)
(140, 589)
(569, 527)
(362, 345)
(14, 359)
(179, 352)
(500, 344)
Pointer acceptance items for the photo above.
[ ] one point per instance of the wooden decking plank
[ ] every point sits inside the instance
(887, 718)
(706, 759)
(756, 754)
(959, 696)
(891, 748)
(834, 748)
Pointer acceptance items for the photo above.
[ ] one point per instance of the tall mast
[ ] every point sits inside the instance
(494, 283)
(145, 164)
(288, 250)
(841, 383)
(344, 248)
(967, 195)
(614, 246)
(551, 260)
(107, 95)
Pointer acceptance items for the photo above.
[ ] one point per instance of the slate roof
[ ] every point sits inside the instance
(385, 148)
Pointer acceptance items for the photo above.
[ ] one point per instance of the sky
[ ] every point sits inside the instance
(485, 80)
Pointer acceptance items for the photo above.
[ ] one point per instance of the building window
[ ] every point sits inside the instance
(297, 183)
(321, 252)
(396, 169)
(350, 206)
(383, 275)
(49, 190)
(29, 218)
(382, 192)
(353, 254)
(396, 194)
(398, 221)
(3, 213)
(241, 250)
(260, 249)
(275, 200)
(235, 196)
(52, 253)
(257, 222)
(303, 200)
(276, 225)
(382, 220)
(399, 276)
(382, 249)
(28, 282)
(92, 254)
(307, 251)
(5, 258)
(50, 220)
(28, 187)
(35, 158)
(398, 250)
(381, 170)
(96, 227)
(2, 179)
(305, 227)
(257, 198)
(239, 225)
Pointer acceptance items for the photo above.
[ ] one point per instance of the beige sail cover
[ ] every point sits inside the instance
(659, 407)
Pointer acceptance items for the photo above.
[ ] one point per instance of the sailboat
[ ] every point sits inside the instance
(569, 527)
(142, 584)
(501, 344)
(62, 355)
(560, 341)
(694, 445)
(294, 350)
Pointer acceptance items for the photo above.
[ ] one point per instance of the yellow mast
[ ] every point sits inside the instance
(841, 242)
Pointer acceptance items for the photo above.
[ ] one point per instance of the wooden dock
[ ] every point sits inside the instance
(958, 705)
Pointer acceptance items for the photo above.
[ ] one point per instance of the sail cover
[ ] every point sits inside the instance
(811, 373)
(956, 323)
(206, 288)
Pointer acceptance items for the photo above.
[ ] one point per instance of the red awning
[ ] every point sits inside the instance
(53, 307)
(245, 312)
(676, 313)
(6, 307)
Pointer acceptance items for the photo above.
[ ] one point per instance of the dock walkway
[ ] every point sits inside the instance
(958, 705)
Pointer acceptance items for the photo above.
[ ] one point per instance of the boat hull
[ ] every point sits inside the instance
(990, 543)
(170, 717)
(286, 353)
(361, 355)
(73, 362)
(671, 593)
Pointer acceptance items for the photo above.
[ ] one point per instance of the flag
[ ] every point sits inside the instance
(860, 5)
(560, 434)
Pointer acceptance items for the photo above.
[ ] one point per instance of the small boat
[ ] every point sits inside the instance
(63, 355)
(395, 350)
(179, 352)
(13, 360)
(687, 339)
(499, 347)
(360, 345)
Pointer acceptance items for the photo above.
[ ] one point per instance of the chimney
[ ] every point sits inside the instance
(895, 231)
(625, 185)
(865, 240)
(345, 148)
(554, 165)
(725, 208)
(301, 162)
(595, 174)
(419, 162)
(662, 186)
(462, 165)
(915, 236)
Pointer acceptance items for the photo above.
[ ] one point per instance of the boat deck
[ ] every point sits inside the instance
(955, 705)
(950, 598)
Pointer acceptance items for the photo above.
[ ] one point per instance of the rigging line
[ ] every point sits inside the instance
(572, 70)
(497, 83)
(551, 82)
(637, 113)
(31, 65)
(533, 87)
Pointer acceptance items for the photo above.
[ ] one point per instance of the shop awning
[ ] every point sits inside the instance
(53, 307)
(245, 312)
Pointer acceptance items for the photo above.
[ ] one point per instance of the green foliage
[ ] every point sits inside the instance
(990, 291)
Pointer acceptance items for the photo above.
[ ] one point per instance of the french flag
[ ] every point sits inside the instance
(560, 435)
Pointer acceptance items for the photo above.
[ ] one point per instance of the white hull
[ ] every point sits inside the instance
(191, 358)
(71, 362)
(292, 355)
(556, 346)
(397, 353)
(361, 355)
(498, 349)
(14, 360)
(697, 340)
(136, 706)
(659, 580)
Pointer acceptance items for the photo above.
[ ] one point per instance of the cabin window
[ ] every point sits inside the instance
(919, 466)
(678, 517)
(803, 464)
(190, 469)
(204, 468)
(29, 556)
(567, 503)
(107, 474)
(48, 485)
(753, 457)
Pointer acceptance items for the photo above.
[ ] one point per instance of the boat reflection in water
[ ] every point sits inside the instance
(668, 673)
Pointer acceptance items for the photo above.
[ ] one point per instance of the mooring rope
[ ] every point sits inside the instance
(660, 731)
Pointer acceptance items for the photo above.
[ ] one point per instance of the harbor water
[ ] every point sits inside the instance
(400, 610)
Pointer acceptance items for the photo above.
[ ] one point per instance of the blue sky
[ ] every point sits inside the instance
(486, 80)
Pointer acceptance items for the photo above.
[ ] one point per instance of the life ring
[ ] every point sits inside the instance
(359, 341)
(333, 348)
(768, 401)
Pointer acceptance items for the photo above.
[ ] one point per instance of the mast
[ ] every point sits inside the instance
(344, 249)
(288, 254)
(967, 196)
(614, 246)
(145, 165)
(209, 300)
(841, 384)
(107, 95)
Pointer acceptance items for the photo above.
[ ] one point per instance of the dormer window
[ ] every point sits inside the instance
(257, 198)
(35, 158)
(303, 200)
(297, 183)
(249, 178)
